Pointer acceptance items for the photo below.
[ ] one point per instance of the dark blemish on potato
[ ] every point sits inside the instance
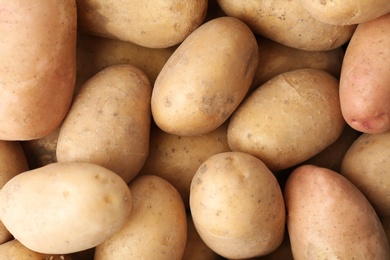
(198, 181)
(107, 199)
(173, 150)
(203, 168)
(249, 135)
(229, 158)
(167, 102)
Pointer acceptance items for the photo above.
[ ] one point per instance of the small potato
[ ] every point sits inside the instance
(63, 208)
(365, 77)
(329, 218)
(289, 119)
(37, 66)
(206, 78)
(109, 122)
(288, 23)
(156, 228)
(237, 206)
(153, 24)
(367, 165)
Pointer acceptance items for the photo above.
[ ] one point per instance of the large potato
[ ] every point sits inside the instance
(109, 122)
(289, 119)
(156, 228)
(63, 208)
(237, 206)
(206, 78)
(329, 218)
(154, 24)
(37, 66)
(365, 77)
(288, 23)
(367, 165)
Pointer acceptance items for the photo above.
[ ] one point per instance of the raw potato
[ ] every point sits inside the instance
(346, 12)
(237, 206)
(365, 77)
(109, 122)
(367, 165)
(329, 218)
(176, 158)
(153, 24)
(288, 23)
(289, 119)
(70, 207)
(206, 78)
(156, 228)
(37, 66)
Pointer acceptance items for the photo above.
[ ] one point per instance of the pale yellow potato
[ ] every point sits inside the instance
(367, 165)
(176, 158)
(109, 122)
(206, 78)
(153, 24)
(289, 119)
(288, 23)
(346, 12)
(63, 208)
(329, 218)
(156, 228)
(237, 206)
(37, 66)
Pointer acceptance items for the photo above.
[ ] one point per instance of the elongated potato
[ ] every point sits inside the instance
(63, 208)
(329, 218)
(37, 66)
(206, 78)
(109, 122)
(365, 77)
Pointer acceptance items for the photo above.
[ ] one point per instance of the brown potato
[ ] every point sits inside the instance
(109, 122)
(206, 78)
(37, 66)
(329, 218)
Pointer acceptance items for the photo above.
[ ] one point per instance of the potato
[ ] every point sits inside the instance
(289, 119)
(288, 23)
(176, 158)
(37, 66)
(206, 78)
(70, 207)
(153, 24)
(365, 77)
(276, 58)
(329, 218)
(346, 12)
(109, 122)
(237, 206)
(156, 228)
(367, 165)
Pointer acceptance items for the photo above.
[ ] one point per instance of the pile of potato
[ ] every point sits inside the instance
(194, 129)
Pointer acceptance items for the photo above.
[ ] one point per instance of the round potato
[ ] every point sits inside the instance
(367, 165)
(237, 206)
(206, 78)
(288, 23)
(365, 77)
(63, 208)
(154, 24)
(37, 66)
(156, 228)
(329, 218)
(289, 119)
(109, 122)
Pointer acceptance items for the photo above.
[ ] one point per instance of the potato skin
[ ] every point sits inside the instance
(153, 24)
(109, 122)
(237, 206)
(95, 201)
(365, 77)
(367, 165)
(206, 78)
(37, 68)
(156, 228)
(329, 218)
(289, 119)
